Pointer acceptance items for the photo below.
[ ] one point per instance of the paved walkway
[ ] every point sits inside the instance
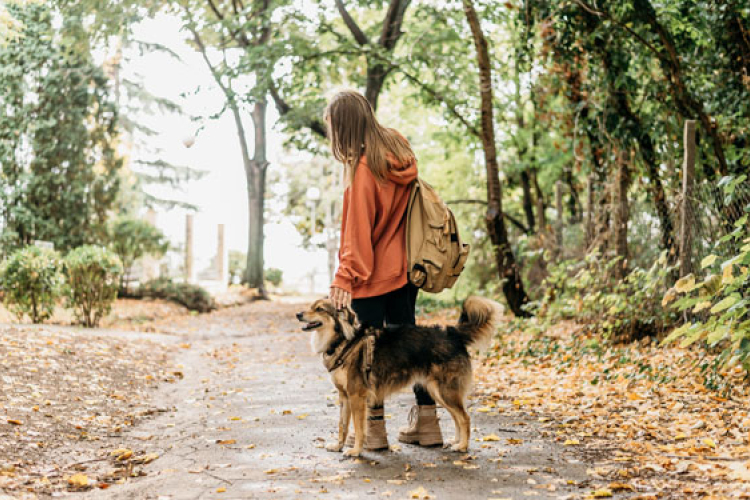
(255, 408)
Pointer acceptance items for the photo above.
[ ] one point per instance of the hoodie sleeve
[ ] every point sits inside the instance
(356, 255)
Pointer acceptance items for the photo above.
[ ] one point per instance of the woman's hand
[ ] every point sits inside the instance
(340, 298)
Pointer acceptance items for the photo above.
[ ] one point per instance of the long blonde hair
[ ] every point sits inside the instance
(353, 131)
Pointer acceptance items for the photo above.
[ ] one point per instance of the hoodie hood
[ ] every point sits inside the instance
(402, 173)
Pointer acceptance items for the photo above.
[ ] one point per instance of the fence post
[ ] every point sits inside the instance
(560, 217)
(590, 211)
(688, 179)
(620, 223)
(189, 248)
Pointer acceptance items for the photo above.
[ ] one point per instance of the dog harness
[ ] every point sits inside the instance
(339, 353)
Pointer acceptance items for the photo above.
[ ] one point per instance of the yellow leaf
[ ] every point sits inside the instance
(235, 418)
(483, 409)
(419, 493)
(124, 455)
(78, 480)
(14, 421)
(709, 442)
(221, 490)
(302, 417)
(621, 487)
(685, 284)
(145, 459)
(602, 493)
(491, 437)
(226, 441)
(571, 442)
(726, 274)
(701, 306)
(680, 435)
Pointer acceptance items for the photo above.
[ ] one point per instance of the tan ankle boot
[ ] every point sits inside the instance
(423, 428)
(377, 437)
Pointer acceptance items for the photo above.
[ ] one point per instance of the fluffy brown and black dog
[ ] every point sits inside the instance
(368, 364)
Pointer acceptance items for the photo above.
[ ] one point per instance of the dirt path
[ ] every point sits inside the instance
(252, 414)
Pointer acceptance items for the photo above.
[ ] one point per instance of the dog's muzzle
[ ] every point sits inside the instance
(309, 325)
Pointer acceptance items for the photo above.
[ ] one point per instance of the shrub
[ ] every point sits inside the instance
(274, 276)
(237, 263)
(131, 239)
(32, 280)
(624, 310)
(720, 303)
(93, 279)
(191, 296)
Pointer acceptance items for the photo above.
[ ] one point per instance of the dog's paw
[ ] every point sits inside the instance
(460, 448)
(336, 447)
(353, 452)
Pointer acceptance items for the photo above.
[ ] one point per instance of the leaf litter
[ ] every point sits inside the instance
(642, 412)
(66, 397)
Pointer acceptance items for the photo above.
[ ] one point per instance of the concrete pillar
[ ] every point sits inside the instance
(189, 248)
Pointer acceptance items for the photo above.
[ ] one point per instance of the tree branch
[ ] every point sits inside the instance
(357, 33)
(315, 125)
(215, 9)
(394, 18)
(441, 99)
(520, 225)
(606, 15)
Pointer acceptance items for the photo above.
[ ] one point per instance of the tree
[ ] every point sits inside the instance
(498, 234)
(131, 239)
(234, 26)
(58, 127)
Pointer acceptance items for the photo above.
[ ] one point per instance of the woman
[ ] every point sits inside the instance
(379, 168)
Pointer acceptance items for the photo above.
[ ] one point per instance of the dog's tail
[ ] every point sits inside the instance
(478, 322)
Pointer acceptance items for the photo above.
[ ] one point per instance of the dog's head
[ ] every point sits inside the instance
(327, 324)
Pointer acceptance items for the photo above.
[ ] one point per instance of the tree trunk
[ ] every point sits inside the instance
(506, 262)
(528, 200)
(255, 171)
(622, 214)
(687, 104)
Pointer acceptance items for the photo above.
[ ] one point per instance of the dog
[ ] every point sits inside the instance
(369, 364)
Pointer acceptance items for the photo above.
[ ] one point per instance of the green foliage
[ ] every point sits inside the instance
(31, 279)
(237, 263)
(131, 239)
(93, 278)
(274, 276)
(58, 125)
(589, 292)
(719, 303)
(191, 296)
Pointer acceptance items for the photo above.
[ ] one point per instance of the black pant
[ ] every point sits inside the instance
(393, 308)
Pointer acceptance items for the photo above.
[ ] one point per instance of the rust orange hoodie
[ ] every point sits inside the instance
(372, 255)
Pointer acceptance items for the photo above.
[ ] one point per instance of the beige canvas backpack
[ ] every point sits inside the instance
(435, 254)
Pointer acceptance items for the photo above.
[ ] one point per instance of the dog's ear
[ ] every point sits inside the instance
(348, 321)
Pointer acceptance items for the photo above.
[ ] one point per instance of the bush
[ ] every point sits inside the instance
(588, 292)
(131, 239)
(32, 280)
(274, 276)
(719, 305)
(191, 296)
(93, 279)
